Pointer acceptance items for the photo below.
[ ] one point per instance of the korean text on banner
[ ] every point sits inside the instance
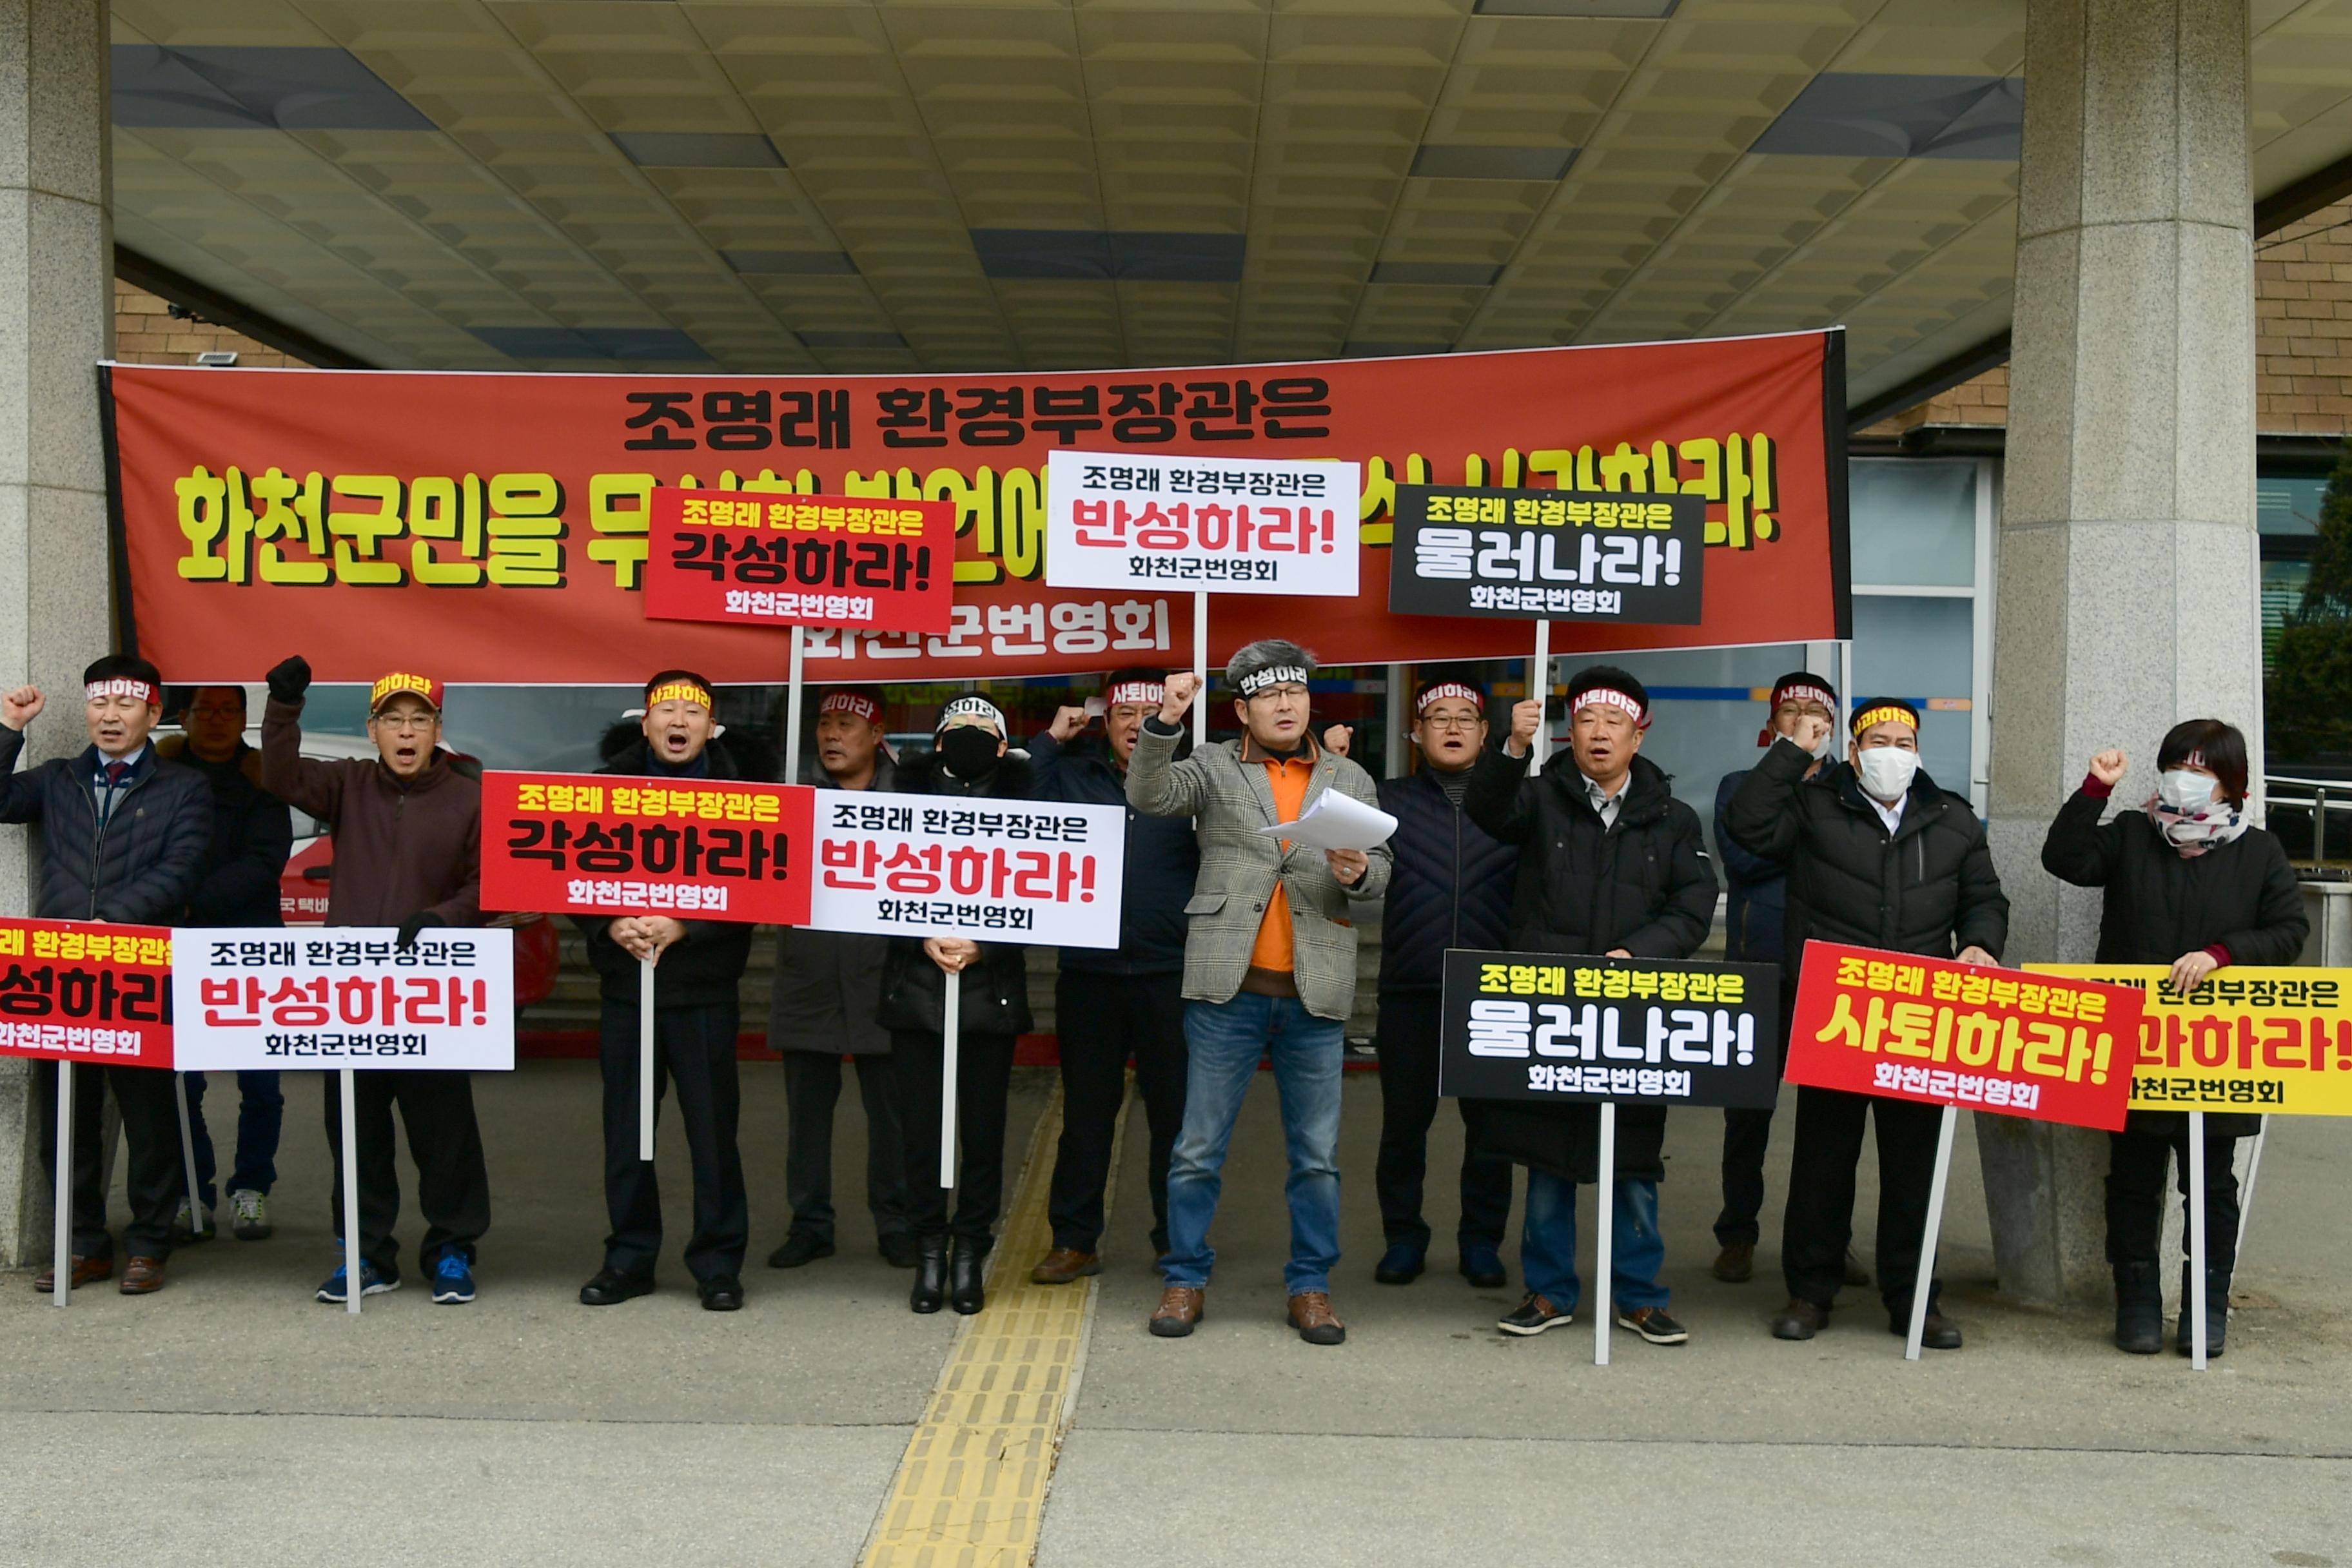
(994, 870)
(1226, 525)
(76, 993)
(2276, 1040)
(1540, 1027)
(810, 561)
(1632, 559)
(610, 844)
(1910, 1028)
(269, 998)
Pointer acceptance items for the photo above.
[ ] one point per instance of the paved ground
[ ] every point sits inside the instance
(229, 1420)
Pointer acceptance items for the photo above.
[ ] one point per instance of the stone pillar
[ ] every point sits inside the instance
(2129, 584)
(57, 320)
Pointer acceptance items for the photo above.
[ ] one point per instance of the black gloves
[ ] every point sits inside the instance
(415, 923)
(290, 679)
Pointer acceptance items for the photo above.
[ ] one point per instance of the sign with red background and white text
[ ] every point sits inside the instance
(809, 561)
(76, 992)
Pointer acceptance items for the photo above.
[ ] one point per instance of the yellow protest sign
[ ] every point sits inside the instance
(2274, 1040)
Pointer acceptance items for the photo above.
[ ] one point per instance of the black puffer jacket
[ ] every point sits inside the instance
(1642, 883)
(2159, 904)
(702, 967)
(139, 869)
(1449, 887)
(1163, 857)
(995, 989)
(1928, 887)
(253, 833)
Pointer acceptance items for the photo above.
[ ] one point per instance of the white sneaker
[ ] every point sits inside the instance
(182, 1230)
(250, 1214)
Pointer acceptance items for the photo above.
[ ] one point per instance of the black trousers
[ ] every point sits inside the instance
(156, 1175)
(453, 1185)
(1746, 1135)
(1104, 1019)
(2135, 1196)
(983, 1078)
(812, 1090)
(1406, 1041)
(1819, 1224)
(694, 1049)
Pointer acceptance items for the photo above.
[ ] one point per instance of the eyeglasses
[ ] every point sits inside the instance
(1452, 720)
(405, 721)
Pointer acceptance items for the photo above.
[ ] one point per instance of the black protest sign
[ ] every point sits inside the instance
(1549, 1026)
(1554, 555)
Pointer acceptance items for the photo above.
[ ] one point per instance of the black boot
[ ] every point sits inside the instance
(2217, 1312)
(966, 1263)
(930, 1288)
(2139, 1309)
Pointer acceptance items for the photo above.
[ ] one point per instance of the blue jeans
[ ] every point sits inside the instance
(1225, 1041)
(1547, 1244)
(261, 1109)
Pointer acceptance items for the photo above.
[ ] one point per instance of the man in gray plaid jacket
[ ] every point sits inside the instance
(1269, 966)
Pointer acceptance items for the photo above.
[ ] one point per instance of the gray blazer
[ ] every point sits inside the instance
(1231, 800)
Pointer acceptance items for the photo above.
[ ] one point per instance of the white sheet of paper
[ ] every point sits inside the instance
(1337, 820)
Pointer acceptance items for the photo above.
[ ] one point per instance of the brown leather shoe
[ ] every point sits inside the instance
(1735, 1264)
(143, 1276)
(1311, 1315)
(1180, 1307)
(86, 1271)
(1064, 1264)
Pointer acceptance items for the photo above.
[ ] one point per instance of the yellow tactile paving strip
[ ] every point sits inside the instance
(971, 1490)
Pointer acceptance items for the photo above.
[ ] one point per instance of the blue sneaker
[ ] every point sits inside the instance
(453, 1279)
(1399, 1265)
(373, 1281)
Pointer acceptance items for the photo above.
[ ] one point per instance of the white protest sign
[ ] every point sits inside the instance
(1225, 525)
(267, 998)
(993, 870)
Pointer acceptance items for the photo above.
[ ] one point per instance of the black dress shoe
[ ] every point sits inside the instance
(901, 1250)
(930, 1288)
(966, 1263)
(723, 1293)
(1939, 1332)
(611, 1287)
(797, 1250)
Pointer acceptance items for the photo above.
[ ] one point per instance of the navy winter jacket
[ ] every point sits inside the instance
(1757, 909)
(252, 834)
(140, 867)
(1163, 857)
(1451, 886)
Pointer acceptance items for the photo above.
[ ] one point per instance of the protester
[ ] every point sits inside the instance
(408, 854)
(1113, 1003)
(2193, 885)
(823, 1004)
(1877, 856)
(1451, 887)
(1610, 863)
(1754, 924)
(969, 759)
(236, 886)
(1269, 966)
(697, 966)
(122, 837)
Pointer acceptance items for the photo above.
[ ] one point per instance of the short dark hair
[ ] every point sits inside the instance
(2210, 743)
(124, 666)
(1146, 674)
(244, 703)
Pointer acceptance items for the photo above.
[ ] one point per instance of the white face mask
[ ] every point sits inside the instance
(1886, 771)
(1821, 748)
(2184, 791)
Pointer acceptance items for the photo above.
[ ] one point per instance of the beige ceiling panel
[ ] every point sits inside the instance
(262, 23)
(1936, 38)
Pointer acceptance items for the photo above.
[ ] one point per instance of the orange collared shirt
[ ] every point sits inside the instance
(1288, 777)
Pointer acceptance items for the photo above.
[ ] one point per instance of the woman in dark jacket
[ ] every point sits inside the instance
(2190, 884)
(969, 758)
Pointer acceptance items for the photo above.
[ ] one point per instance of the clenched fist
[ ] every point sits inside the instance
(21, 707)
(1177, 698)
(1812, 730)
(1067, 723)
(1336, 739)
(1527, 718)
(2108, 766)
(290, 679)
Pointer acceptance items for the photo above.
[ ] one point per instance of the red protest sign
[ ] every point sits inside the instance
(709, 850)
(1909, 1027)
(76, 993)
(752, 558)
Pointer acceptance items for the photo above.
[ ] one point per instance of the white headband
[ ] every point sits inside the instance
(1257, 680)
(1149, 693)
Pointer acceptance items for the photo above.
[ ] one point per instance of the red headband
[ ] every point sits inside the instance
(855, 702)
(123, 686)
(1443, 689)
(1610, 697)
(1149, 693)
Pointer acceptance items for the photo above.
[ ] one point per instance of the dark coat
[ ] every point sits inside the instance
(140, 867)
(1163, 856)
(253, 834)
(1756, 905)
(1928, 887)
(1641, 883)
(705, 965)
(1451, 886)
(2160, 904)
(828, 983)
(995, 989)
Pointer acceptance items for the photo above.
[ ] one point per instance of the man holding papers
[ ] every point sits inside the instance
(1269, 965)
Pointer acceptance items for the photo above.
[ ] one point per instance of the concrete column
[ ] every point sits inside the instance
(2129, 584)
(57, 320)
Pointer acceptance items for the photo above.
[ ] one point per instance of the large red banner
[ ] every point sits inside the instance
(501, 520)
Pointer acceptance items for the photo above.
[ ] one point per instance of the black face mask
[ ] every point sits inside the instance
(969, 751)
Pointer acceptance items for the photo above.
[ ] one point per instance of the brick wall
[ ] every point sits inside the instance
(145, 333)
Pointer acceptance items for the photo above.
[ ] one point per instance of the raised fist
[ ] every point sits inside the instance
(1336, 739)
(21, 707)
(1067, 723)
(1183, 687)
(290, 679)
(1527, 718)
(1812, 730)
(2108, 766)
